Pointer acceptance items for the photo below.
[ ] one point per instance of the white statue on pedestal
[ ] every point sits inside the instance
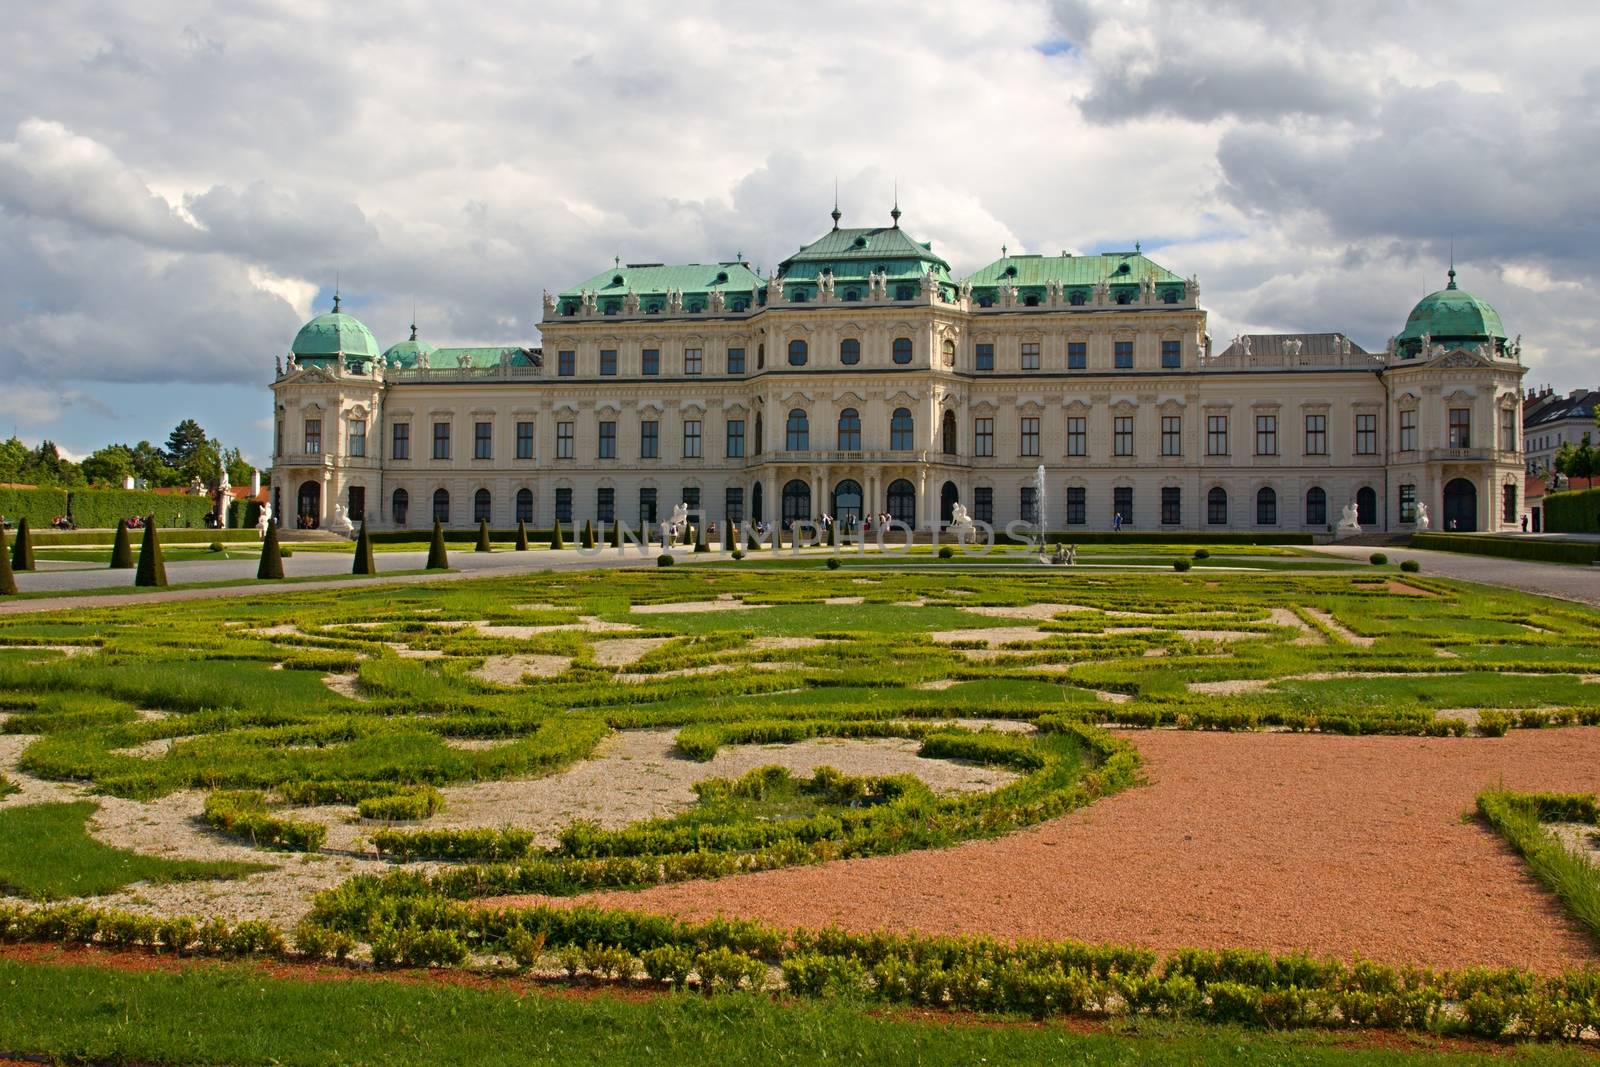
(1424, 520)
(680, 519)
(1349, 523)
(340, 523)
(264, 521)
(960, 521)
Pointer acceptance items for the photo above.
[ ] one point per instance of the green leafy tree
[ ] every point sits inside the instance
(13, 460)
(1577, 461)
(186, 439)
(238, 468)
(109, 465)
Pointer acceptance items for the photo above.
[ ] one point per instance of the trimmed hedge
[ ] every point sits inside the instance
(243, 813)
(99, 509)
(1157, 537)
(465, 536)
(169, 537)
(1544, 551)
(1572, 512)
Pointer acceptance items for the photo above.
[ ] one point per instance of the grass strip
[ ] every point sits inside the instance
(1568, 874)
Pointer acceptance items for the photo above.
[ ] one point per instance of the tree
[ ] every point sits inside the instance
(1577, 461)
(109, 465)
(186, 439)
(13, 460)
(238, 468)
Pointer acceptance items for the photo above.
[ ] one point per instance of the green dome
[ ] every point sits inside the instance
(1452, 314)
(409, 354)
(335, 335)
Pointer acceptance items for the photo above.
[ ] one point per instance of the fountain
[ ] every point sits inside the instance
(1039, 510)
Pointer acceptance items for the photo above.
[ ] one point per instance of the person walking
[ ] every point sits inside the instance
(1116, 523)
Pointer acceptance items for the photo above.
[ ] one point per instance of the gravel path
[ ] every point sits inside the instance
(1333, 845)
(1561, 580)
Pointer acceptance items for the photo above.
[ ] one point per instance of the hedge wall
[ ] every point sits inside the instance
(1571, 512)
(1545, 551)
(536, 538)
(197, 535)
(1156, 537)
(99, 509)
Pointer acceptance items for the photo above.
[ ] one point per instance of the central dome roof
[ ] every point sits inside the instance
(409, 354)
(1452, 314)
(335, 335)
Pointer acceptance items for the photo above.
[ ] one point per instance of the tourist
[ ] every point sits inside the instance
(1116, 523)
(1524, 524)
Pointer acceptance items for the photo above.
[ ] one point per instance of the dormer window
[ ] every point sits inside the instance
(616, 279)
(986, 301)
(1124, 298)
(1170, 296)
(1077, 299)
(860, 242)
(1011, 271)
(722, 276)
(1031, 300)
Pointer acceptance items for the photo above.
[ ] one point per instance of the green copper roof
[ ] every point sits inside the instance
(1110, 267)
(656, 278)
(1452, 314)
(859, 252)
(478, 358)
(335, 334)
(410, 353)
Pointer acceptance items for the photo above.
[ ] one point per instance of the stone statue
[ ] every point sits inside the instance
(1147, 289)
(1292, 346)
(277, 365)
(718, 301)
(224, 486)
(1349, 522)
(1191, 289)
(464, 361)
(291, 363)
(264, 520)
(774, 289)
(674, 299)
(1424, 520)
(1427, 346)
(630, 302)
(1008, 295)
(1102, 292)
(549, 304)
(930, 284)
(341, 523)
(588, 303)
(966, 292)
(960, 521)
(679, 519)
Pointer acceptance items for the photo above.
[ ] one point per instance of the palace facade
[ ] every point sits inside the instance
(863, 377)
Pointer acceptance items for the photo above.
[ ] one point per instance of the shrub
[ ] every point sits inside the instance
(152, 570)
(723, 970)
(364, 563)
(271, 564)
(1572, 511)
(215, 546)
(814, 974)
(8, 579)
(243, 813)
(1547, 551)
(1378, 559)
(285, 552)
(833, 563)
(665, 560)
(524, 947)
(738, 553)
(415, 802)
(668, 963)
(1493, 723)
(320, 943)
(1202, 553)
(946, 552)
(1410, 566)
(1181, 564)
(438, 557)
(122, 548)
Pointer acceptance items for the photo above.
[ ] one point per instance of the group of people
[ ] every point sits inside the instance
(1063, 556)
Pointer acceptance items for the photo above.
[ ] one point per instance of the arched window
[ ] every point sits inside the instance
(849, 351)
(901, 430)
(949, 349)
(1316, 506)
(524, 505)
(1077, 299)
(948, 433)
(1124, 298)
(798, 432)
(1031, 300)
(852, 295)
(308, 511)
(903, 502)
(849, 430)
(480, 506)
(761, 355)
(1366, 506)
(399, 504)
(847, 501)
(1266, 507)
(986, 301)
(441, 506)
(902, 350)
(797, 353)
(796, 501)
(797, 295)
(1170, 296)
(1217, 506)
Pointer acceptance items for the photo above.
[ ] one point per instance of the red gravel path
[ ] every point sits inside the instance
(1334, 845)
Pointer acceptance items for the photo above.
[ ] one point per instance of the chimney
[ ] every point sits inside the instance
(255, 484)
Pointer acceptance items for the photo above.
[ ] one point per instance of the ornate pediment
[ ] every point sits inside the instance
(1459, 359)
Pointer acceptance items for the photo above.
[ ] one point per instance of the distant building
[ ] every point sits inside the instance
(863, 378)
(1550, 420)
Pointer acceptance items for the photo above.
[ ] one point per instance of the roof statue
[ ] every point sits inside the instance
(549, 304)
(1292, 347)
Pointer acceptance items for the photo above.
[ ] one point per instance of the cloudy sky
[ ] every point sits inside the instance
(180, 183)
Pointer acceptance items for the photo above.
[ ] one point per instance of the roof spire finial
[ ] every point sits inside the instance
(336, 292)
(413, 318)
(1003, 252)
(1137, 248)
(894, 213)
(1452, 271)
(835, 215)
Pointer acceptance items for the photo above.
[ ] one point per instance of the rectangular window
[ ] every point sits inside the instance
(691, 496)
(1317, 434)
(1171, 355)
(608, 362)
(1172, 435)
(735, 361)
(1460, 428)
(1122, 435)
(482, 440)
(1408, 503)
(524, 440)
(1122, 352)
(1077, 436)
(441, 440)
(1408, 431)
(563, 505)
(605, 505)
(733, 504)
(1030, 505)
(1122, 503)
(313, 436)
(1508, 503)
(1030, 355)
(357, 447)
(1030, 436)
(277, 438)
(691, 439)
(566, 363)
(1508, 430)
(647, 505)
(1077, 355)
(1217, 507)
(1077, 505)
(358, 504)
(649, 439)
(564, 440)
(1171, 505)
(608, 440)
(735, 438)
(1216, 435)
(401, 448)
(983, 504)
(1266, 435)
(985, 357)
(650, 361)
(1366, 435)
(983, 437)
(692, 360)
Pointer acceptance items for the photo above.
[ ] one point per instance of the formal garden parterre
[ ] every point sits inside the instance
(429, 774)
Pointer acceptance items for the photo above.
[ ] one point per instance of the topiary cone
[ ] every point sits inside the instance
(727, 537)
(152, 570)
(556, 540)
(271, 565)
(616, 535)
(22, 551)
(438, 559)
(8, 580)
(483, 537)
(364, 563)
(587, 540)
(522, 536)
(122, 548)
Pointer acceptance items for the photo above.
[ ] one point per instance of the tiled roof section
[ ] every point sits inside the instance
(866, 246)
(1110, 267)
(656, 278)
(479, 358)
(1581, 407)
(1277, 344)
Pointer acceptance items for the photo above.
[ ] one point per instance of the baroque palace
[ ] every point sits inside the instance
(864, 378)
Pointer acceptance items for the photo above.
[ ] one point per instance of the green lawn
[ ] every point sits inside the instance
(238, 1014)
(46, 853)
